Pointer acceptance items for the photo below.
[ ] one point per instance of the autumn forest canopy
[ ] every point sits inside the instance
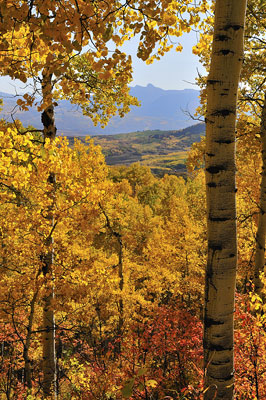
(116, 283)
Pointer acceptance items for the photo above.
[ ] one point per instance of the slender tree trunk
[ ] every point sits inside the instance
(27, 361)
(118, 236)
(49, 356)
(121, 285)
(261, 232)
(222, 87)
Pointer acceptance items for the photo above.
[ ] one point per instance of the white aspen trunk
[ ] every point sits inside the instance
(49, 354)
(261, 231)
(222, 88)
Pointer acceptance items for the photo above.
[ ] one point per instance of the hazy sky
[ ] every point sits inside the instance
(173, 71)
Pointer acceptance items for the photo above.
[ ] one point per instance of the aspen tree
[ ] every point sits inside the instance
(49, 356)
(253, 92)
(119, 240)
(261, 231)
(250, 102)
(222, 88)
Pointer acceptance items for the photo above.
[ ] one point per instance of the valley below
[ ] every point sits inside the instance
(165, 152)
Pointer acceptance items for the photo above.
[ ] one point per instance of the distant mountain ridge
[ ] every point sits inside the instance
(160, 109)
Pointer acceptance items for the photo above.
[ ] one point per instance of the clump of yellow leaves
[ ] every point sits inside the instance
(70, 41)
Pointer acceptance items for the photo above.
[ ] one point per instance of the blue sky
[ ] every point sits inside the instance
(174, 71)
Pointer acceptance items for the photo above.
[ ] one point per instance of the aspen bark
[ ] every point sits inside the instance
(222, 88)
(28, 375)
(261, 231)
(49, 355)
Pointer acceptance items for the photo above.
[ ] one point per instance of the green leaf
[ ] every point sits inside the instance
(140, 387)
(127, 389)
(108, 33)
(142, 371)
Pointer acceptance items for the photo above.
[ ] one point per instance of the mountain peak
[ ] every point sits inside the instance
(160, 109)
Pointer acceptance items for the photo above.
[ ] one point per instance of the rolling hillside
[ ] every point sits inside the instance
(163, 151)
(157, 134)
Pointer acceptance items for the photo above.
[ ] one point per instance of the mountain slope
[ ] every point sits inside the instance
(163, 151)
(160, 109)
